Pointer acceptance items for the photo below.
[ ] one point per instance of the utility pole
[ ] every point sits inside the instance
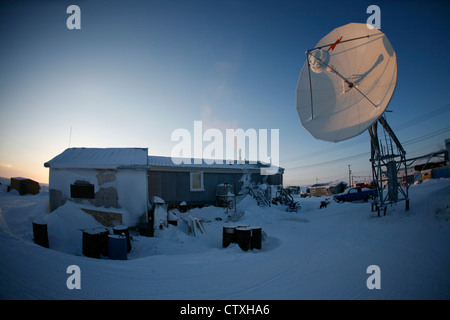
(349, 176)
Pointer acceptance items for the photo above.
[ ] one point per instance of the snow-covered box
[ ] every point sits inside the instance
(111, 183)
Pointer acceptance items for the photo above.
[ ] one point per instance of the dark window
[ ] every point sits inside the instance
(83, 190)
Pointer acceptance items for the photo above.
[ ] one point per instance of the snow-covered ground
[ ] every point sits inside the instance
(313, 254)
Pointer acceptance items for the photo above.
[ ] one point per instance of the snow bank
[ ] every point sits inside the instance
(17, 212)
(65, 228)
(313, 254)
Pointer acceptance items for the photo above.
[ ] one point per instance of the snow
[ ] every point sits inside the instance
(178, 162)
(313, 254)
(130, 185)
(65, 228)
(99, 158)
(160, 217)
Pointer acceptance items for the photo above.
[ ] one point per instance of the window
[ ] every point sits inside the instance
(82, 190)
(197, 181)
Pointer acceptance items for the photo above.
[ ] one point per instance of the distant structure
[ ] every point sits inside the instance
(327, 189)
(434, 165)
(447, 148)
(25, 186)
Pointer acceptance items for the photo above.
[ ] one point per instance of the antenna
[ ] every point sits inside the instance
(346, 82)
(70, 135)
(344, 88)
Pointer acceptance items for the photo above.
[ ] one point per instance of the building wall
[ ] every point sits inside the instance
(174, 187)
(325, 190)
(441, 173)
(124, 189)
(320, 191)
(25, 186)
(447, 147)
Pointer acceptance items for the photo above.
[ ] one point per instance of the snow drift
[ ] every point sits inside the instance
(313, 254)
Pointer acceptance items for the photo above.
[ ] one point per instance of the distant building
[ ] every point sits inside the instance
(25, 186)
(327, 189)
(447, 148)
(293, 189)
(364, 184)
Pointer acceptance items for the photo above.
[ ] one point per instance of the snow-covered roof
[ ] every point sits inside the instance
(137, 158)
(100, 158)
(160, 162)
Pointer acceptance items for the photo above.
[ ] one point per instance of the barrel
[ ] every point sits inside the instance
(95, 242)
(117, 247)
(125, 230)
(243, 237)
(145, 229)
(103, 239)
(228, 235)
(183, 207)
(255, 242)
(40, 233)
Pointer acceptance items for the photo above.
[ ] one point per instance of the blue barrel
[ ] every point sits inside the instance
(122, 229)
(117, 247)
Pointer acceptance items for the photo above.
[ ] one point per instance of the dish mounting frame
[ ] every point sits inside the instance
(388, 159)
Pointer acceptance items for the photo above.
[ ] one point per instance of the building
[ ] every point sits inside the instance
(111, 182)
(24, 186)
(116, 184)
(327, 189)
(195, 181)
(447, 149)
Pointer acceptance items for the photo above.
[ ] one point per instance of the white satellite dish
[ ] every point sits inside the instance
(346, 82)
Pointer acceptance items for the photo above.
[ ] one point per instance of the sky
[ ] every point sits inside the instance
(137, 71)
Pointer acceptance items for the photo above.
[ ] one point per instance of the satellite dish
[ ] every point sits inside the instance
(346, 82)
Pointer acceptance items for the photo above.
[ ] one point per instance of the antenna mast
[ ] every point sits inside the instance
(386, 169)
(70, 135)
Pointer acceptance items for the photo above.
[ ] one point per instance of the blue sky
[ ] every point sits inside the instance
(138, 70)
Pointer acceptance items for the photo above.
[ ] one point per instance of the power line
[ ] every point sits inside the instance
(417, 120)
(331, 161)
(411, 141)
(427, 136)
(353, 142)
(424, 117)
